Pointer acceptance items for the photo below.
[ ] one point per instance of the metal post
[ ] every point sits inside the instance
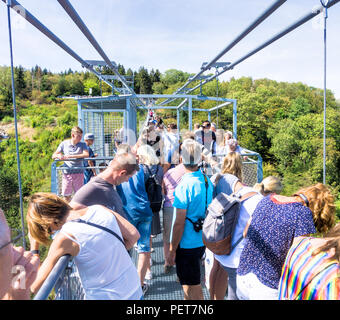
(54, 184)
(15, 122)
(178, 122)
(190, 113)
(127, 122)
(235, 119)
(103, 132)
(80, 116)
(259, 169)
(217, 96)
(325, 15)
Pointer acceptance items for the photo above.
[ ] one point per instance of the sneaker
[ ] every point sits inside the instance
(145, 288)
(167, 269)
(148, 275)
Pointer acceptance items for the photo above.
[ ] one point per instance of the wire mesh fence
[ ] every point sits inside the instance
(69, 285)
(107, 127)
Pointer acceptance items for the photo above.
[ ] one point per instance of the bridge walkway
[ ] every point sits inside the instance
(165, 286)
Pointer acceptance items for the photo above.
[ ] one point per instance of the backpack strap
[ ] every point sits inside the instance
(206, 196)
(100, 227)
(147, 168)
(149, 171)
(248, 195)
(243, 198)
(206, 192)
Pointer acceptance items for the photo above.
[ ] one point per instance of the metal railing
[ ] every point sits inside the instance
(56, 171)
(252, 169)
(65, 281)
(55, 274)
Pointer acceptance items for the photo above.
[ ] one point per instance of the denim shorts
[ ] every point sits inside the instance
(143, 225)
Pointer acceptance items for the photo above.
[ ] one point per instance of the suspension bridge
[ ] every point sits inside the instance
(104, 114)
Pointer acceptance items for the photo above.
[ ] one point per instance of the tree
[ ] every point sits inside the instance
(91, 83)
(61, 88)
(298, 107)
(9, 196)
(173, 76)
(298, 146)
(144, 81)
(19, 81)
(155, 76)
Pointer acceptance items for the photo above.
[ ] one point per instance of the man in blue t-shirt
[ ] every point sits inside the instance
(192, 196)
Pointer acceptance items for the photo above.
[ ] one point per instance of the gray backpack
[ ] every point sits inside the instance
(220, 222)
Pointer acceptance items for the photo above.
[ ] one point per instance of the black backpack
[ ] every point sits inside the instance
(154, 191)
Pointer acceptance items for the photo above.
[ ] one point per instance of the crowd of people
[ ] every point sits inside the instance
(102, 215)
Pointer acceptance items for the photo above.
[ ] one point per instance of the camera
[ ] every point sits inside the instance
(198, 225)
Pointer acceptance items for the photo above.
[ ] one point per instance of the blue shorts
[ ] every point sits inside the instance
(143, 225)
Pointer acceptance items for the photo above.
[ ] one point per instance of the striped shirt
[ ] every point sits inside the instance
(171, 179)
(308, 277)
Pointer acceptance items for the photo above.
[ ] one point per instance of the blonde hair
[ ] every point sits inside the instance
(268, 185)
(147, 155)
(232, 164)
(321, 203)
(76, 129)
(45, 209)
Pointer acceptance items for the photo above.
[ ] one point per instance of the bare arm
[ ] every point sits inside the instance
(177, 234)
(76, 205)
(60, 246)
(91, 163)
(129, 232)
(84, 154)
(57, 155)
(245, 231)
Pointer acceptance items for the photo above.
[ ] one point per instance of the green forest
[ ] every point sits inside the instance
(281, 121)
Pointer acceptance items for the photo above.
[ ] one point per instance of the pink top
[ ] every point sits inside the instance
(171, 179)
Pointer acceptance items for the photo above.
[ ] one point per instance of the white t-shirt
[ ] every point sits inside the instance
(247, 208)
(104, 265)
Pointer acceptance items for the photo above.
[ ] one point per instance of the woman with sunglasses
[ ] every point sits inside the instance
(94, 238)
(275, 223)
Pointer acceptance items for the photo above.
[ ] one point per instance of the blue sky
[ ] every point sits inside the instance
(180, 34)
